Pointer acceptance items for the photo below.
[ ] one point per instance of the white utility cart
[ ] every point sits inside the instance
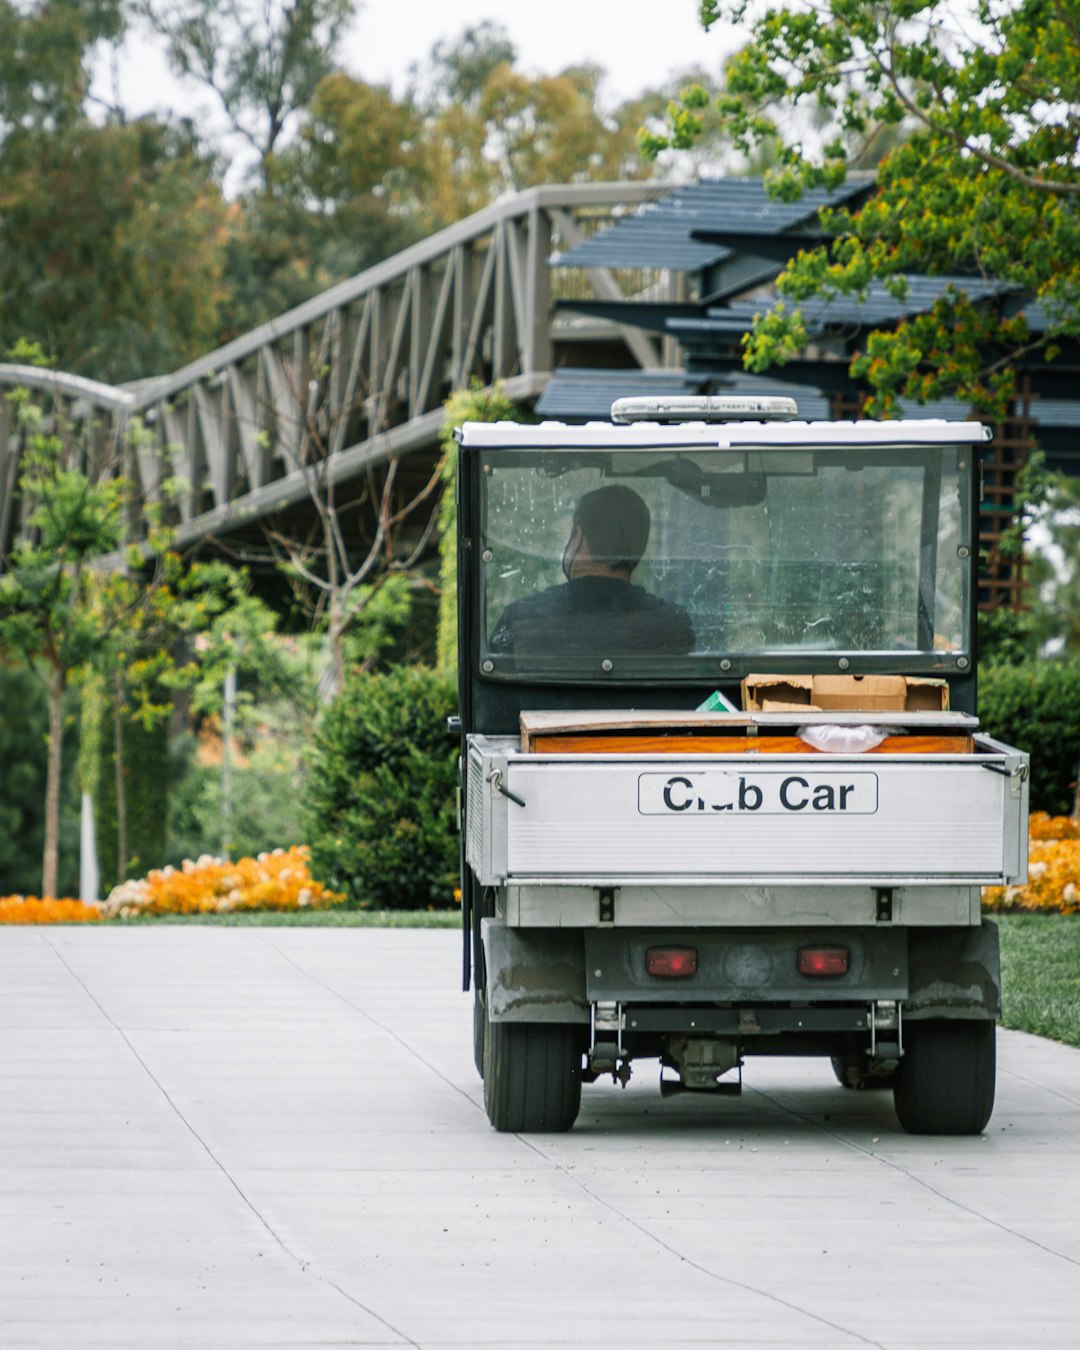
(724, 791)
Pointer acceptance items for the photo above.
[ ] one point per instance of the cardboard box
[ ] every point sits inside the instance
(844, 693)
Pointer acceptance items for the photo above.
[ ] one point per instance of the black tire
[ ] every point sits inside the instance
(532, 1076)
(479, 1026)
(852, 1074)
(945, 1082)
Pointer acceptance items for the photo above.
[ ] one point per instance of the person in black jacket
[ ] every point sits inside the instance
(598, 611)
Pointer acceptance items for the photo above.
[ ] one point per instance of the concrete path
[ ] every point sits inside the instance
(275, 1138)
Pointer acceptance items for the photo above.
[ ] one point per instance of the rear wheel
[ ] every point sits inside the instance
(479, 1027)
(945, 1082)
(532, 1075)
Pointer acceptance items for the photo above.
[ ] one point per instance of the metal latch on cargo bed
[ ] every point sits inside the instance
(495, 779)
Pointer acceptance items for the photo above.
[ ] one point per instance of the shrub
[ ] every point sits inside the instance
(1053, 885)
(381, 792)
(29, 909)
(1036, 707)
(274, 881)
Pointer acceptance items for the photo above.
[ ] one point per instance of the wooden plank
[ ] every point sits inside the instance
(646, 744)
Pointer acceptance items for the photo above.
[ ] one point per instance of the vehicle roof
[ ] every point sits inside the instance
(646, 435)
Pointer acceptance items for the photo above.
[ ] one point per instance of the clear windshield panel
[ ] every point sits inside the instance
(700, 554)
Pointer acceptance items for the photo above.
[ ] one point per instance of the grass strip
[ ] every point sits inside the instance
(1040, 974)
(304, 918)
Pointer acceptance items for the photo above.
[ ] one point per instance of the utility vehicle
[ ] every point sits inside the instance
(764, 829)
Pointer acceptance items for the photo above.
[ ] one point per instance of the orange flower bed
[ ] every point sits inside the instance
(272, 881)
(1053, 885)
(29, 909)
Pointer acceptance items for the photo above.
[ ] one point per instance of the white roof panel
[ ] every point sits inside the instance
(606, 435)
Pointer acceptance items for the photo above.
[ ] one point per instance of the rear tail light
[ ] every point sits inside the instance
(823, 960)
(673, 963)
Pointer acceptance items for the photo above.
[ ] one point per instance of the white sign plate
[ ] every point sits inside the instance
(788, 793)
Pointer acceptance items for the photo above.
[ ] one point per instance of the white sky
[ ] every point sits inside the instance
(640, 43)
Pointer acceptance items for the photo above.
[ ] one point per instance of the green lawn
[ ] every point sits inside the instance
(309, 918)
(1040, 971)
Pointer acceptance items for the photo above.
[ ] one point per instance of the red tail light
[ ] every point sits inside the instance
(674, 963)
(823, 960)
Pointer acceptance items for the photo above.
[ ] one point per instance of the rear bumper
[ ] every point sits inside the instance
(558, 975)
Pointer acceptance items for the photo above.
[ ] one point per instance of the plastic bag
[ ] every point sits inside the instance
(835, 740)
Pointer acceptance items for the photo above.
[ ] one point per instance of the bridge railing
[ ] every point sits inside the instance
(350, 378)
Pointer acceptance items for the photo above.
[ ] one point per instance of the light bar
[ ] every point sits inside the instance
(703, 408)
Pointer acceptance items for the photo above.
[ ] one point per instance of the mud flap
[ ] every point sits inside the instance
(535, 976)
(954, 972)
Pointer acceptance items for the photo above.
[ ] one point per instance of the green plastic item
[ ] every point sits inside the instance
(717, 702)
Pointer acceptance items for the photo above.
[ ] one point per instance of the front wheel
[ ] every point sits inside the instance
(945, 1080)
(532, 1076)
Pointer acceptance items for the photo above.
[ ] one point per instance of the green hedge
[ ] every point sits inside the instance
(382, 791)
(1036, 707)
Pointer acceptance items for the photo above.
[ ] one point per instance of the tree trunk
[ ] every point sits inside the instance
(332, 676)
(50, 860)
(121, 792)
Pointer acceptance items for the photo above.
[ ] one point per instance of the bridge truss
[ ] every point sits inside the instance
(351, 379)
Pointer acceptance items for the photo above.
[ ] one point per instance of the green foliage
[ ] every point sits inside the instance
(475, 404)
(45, 52)
(144, 773)
(1054, 598)
(23, 732)
(265, 805)
(1036, 707)
(381, 792)
(1007, 637)
(111, 246)
(980, 179)
(263, 62)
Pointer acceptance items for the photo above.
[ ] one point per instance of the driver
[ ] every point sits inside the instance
(598, 611)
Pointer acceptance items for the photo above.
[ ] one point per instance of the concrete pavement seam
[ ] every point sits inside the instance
(919, 1181)
(1053, 1092)
(342, 998)
(694, 1265)
(305, 1266)
(652, 1237)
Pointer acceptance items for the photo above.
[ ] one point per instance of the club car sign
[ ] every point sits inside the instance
(768, 793)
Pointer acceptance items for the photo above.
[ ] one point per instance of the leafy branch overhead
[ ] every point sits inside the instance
(984, 181)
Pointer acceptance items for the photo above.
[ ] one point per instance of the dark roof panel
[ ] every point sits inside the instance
(878, 307)
(581, 395)
(658, 235)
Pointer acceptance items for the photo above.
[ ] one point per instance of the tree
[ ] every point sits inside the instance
(45, 49)
(263, 62)
(111, 236)
(44, 614)
(489, 129)
(345, 189)
(111, 246)
(355, 568)
(985, 182)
